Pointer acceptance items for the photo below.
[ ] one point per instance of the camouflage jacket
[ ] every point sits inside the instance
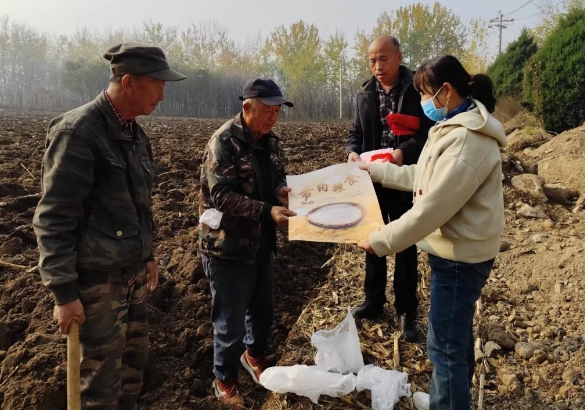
(232, 182)
(94, 220)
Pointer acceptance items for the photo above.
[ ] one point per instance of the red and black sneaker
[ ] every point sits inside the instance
(256, 365)
(228, 392)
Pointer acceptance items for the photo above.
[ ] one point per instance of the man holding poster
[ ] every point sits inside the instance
(389, 116)
(243, 198)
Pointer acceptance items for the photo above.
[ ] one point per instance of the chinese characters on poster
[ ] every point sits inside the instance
(336, 204)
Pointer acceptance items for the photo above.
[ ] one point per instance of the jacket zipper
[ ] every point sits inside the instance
(131, 153)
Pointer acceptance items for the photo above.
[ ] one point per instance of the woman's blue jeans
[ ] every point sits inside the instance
(455, 287)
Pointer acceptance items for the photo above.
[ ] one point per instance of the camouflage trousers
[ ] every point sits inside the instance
(114, 344)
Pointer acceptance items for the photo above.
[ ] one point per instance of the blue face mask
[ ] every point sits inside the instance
(435, 114)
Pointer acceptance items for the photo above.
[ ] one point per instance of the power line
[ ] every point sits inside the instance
(529, 17)
(521, 7)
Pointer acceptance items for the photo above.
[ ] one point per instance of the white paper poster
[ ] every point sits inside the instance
(336, 204)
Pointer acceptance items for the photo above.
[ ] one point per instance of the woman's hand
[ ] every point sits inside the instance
(365, 245)
(397, 157)
(368, 165)
(365, 167)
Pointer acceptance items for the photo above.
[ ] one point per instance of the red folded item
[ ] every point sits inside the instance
(386, 156)
(402, 124)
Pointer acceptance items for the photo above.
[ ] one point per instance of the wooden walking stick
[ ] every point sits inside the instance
(73, 367)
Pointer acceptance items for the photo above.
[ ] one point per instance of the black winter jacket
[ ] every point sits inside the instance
(94, 219)
(365, 134)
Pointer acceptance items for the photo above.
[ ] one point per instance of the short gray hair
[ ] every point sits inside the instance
(117, 78)
(251, 101)
(391, 39)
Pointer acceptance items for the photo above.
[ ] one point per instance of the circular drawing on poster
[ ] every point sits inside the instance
(338, 215)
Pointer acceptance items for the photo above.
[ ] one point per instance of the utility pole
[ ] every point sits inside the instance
(500, 24)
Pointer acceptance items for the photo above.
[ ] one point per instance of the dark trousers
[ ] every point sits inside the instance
(393, 204)
(455, 287)
(242, 310)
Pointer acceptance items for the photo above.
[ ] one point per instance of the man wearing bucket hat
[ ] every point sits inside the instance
(94, 224)
(243, 181)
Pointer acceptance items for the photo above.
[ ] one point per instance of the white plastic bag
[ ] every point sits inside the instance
(308, 381)
(387, 386)
(211, 218)
(339, 349)
(367, 156)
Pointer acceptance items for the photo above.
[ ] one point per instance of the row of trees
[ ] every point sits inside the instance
(40, 71)
(547, 74)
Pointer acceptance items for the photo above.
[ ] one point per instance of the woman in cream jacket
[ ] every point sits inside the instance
(457, 217)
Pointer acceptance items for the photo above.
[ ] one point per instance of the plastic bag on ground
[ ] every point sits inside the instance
(339, 349)
(308, 381)
(387, 386)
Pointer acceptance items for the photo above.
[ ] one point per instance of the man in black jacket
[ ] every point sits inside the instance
(95, 227)
(389, 91)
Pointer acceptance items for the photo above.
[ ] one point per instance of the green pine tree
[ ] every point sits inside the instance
(507, 71)
(554, 84)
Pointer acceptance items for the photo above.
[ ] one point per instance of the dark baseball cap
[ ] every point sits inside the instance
(266, 91)
(141, 59)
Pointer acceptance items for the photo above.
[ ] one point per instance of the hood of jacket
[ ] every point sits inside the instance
(477, 119)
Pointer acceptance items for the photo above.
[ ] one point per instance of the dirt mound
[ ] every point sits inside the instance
(40, 357)
(521, 120)
(527, 137)
(561, 159)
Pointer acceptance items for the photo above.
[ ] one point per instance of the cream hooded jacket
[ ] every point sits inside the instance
(458, 211)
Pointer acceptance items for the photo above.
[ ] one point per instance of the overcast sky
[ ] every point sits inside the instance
(246, 18)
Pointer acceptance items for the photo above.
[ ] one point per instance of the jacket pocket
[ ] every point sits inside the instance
(148, 167)
(110, 175)
(234, 238)
(107, 244)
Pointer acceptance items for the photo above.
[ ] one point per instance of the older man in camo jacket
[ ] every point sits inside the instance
(95, 228)
(243, 177)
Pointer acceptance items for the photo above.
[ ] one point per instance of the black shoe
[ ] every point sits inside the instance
(368, 310)
(408, 328)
